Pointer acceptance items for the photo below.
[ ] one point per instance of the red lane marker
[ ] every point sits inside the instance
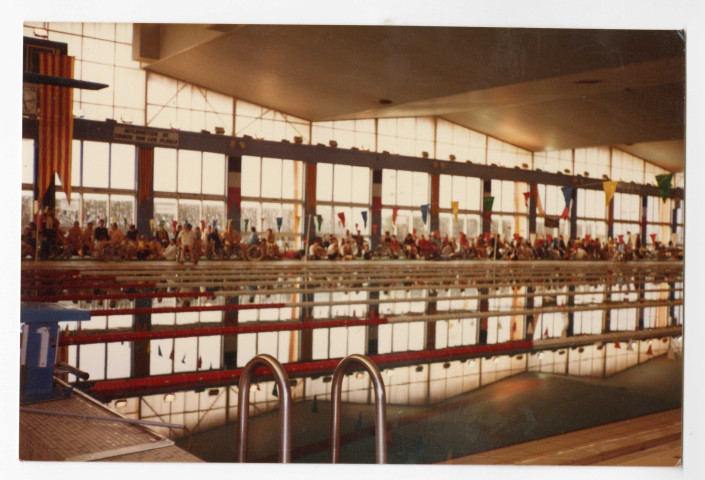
(204, 332)
(116, 388)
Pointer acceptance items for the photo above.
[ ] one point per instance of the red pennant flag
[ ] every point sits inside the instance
(527, 196)
(621, 239)
(545, 334)
(549, 237)
(653, 238)
(616, 344)
(171, 355)
(565, 213)
(199, 362)
(514, 326)
(145, 159)
(203, 225)
(649, 351)
(516, 237)
(174, 223)
(341, 216)
(414, 232)
(394, 215)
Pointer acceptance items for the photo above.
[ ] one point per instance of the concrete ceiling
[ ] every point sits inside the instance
(539, 89)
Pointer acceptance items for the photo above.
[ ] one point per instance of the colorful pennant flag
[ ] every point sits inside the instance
(199, 362)
(151, 224)
(454, 207)
(230, 221)
(203, 225)
(55, 124)
(621, 239)
(653, 238)
(364, 217)
(174, 224)
(609, 188)
(319, 219)
(234, 197)
(247, 222)
(664, 185)
(341, 216)
(568, 197)
(279, 223)
(395, 211)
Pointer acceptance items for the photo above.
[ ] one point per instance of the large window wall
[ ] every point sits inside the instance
(190, 185)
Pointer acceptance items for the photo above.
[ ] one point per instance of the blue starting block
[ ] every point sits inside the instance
(40, 338)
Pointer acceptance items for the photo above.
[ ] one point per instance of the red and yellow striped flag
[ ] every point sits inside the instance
(55, 124)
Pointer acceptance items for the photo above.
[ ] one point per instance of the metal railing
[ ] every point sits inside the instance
(380, 407)
(243, 406)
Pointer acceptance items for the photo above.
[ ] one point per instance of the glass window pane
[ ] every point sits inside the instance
(164, 177)
(324, 182)
(95, 164)
(189, 173)
(389, 186)
(342, 175)
(190, 211)
(122, 210)
(250, 176)
(28, 161)
(122, 166)
(271, 178)
(213, 173)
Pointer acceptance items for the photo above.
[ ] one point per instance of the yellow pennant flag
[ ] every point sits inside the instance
(454, 206)
(610, 188)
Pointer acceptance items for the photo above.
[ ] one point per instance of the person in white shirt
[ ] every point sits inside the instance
(185, 241)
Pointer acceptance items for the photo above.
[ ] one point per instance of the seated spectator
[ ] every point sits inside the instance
(143, 248)
(333, 252)
(171, 251)
(316, 250)
(410, 250)
(155, 250)
(88, 240)
(74, 239)
(346, 250)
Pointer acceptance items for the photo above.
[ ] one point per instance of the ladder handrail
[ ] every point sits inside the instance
(243, 406)
(380, 407)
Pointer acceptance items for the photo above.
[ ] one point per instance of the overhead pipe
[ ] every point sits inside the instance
(380, 407)
(243, 407)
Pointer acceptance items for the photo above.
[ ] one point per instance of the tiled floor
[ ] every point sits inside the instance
(61, 430)
(650, 440)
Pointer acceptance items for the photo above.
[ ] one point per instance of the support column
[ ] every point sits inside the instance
(145, 191)
(310, 224)
(140, 350)
(376, 227)
(644, 216)
(532, 208)
(486, 192)
(230, 319)
(435, 195)
(574, 215)
(373, 330)
(610, 219)
(234, 192)
(431, 309)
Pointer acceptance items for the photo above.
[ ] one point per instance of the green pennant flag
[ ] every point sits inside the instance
(487, 203)
(664, 185)
(319, 219)
(247, 221)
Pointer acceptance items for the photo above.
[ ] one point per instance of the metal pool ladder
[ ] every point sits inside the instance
(243, 407)
(380, 407)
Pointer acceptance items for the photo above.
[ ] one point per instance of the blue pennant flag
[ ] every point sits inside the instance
(279, 223)
(364, 217)
(567, 195)
(424, 212)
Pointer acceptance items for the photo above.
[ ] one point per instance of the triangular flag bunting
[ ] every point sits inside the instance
(545, 334)
(171, 355)
(183, 359)
(275, 391)
(279, 224)
(395, 211)
(341, 216)
(159, 350)
(364, 217)
(247, 222)
(649, 351)
(653, 238)
(616, 344)
(319, 219)
(199, 362)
